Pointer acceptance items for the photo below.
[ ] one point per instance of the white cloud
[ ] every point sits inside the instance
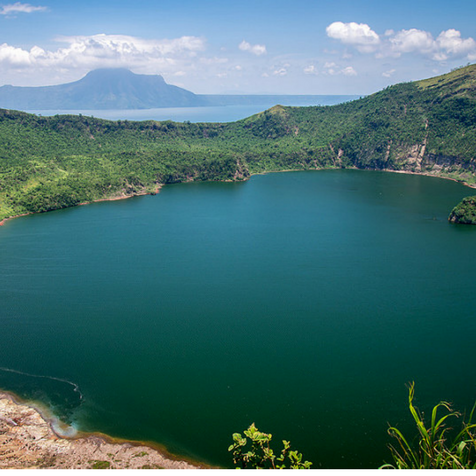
(359, 35)
(408, 41)
(364, 39)
(451, 41)
(334, 69)
(257, 50)
(280, 72)
(105, 50)
(122, 45)
(15, 56)
(311, 69)
(20, 8)
(448, 43)
(389, 73)
(349, 71)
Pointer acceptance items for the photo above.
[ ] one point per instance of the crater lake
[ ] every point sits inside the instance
(301, 301)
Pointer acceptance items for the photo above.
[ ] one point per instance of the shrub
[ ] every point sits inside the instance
(260, 455)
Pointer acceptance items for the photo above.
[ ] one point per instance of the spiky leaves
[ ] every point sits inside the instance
(434, 449)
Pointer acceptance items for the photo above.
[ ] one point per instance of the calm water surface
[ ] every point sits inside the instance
(303, 302)
(200, 114)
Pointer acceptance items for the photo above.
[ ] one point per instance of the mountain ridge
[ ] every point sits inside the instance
(426, 127)
(104, 88)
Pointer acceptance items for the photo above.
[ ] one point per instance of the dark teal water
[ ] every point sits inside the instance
(303, 302)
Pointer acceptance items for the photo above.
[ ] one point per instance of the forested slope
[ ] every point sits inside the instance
(54, 162)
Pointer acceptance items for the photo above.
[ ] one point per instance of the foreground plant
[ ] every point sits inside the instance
(434, 450)
(260, 455)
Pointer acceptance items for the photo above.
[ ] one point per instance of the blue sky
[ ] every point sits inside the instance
(259, 46)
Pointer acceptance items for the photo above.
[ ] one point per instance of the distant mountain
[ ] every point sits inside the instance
(101, 89)
(122, 89)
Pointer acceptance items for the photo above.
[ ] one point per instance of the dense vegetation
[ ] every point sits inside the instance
(465, 212)
(54, 162)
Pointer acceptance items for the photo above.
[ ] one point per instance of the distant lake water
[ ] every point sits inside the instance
(201, 114)
(302, 301)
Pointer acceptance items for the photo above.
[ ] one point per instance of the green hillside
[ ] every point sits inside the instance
(55, 162)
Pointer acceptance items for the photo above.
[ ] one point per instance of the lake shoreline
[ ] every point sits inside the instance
(111, 199)
(28, 439)
(159, 186)
(466, 184)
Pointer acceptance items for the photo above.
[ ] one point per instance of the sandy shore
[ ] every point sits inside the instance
(27, 440)
(407, 172)
(425, 174)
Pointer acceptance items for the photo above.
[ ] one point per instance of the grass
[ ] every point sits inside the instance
(99, 464)
(462, 75)
(435, 447)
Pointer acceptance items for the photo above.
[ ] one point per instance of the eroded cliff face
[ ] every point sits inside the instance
(28, 441)
(416, 160)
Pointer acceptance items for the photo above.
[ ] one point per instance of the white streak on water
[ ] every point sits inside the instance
(57, 425)
(74, 385)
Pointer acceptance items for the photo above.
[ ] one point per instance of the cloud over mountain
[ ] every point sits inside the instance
(105, 51)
